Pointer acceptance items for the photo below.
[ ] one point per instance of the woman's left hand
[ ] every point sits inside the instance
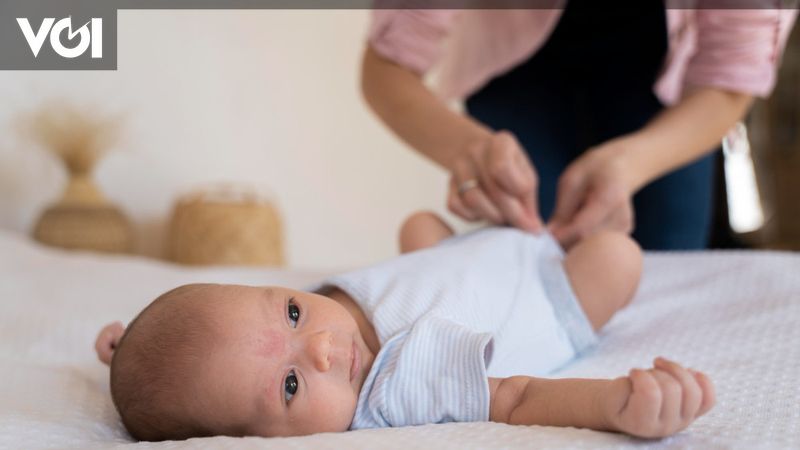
(594, 193)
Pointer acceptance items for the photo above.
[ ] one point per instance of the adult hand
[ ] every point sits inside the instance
(493, 180)
(594, 193)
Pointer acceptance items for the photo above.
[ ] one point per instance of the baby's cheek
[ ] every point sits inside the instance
(336, 409)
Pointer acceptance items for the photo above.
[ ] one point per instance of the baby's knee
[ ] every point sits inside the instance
(617, 248)
(614, 255)
(604, 271)
(422, 229)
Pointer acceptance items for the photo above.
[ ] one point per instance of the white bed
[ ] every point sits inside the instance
(734, 315)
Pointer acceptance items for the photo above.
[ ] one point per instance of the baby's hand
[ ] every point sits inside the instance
(658, 402)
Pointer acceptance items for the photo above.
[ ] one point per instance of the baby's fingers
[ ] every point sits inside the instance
(691, 393)
(709, 393)
(645, 400)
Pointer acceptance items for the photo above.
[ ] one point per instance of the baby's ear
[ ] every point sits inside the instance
(108, 340)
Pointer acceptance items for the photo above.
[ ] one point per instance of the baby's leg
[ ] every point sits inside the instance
(604, 271)
(422, 229)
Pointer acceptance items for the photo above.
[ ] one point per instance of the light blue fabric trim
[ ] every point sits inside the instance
(565, 303)
(433, 373)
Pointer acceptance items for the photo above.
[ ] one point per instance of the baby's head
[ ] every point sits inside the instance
(205, 360)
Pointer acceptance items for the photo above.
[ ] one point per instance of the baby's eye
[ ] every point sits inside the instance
(290, 386)
(294, 313)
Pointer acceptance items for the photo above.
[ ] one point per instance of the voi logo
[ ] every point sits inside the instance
(93, 37)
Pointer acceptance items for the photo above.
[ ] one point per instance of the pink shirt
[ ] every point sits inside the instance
(733, 49)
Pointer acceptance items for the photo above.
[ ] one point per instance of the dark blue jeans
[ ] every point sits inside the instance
(586, 86)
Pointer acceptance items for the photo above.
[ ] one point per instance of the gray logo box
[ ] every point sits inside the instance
(16, 53)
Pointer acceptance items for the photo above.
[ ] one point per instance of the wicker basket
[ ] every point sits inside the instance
(88, 227)
(225, 226)
(83, 218)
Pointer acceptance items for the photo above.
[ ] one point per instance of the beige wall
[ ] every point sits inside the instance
(267, 98)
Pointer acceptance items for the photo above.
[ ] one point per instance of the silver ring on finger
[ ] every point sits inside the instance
(472, 183)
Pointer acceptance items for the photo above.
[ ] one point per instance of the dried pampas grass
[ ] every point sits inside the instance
(83, 218)
(79, 136)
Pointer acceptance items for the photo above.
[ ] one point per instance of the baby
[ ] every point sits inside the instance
(458, 328)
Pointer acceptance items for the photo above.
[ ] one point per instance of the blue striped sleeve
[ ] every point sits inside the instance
(433, 373)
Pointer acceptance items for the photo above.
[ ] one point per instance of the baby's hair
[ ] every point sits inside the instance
(152, 382)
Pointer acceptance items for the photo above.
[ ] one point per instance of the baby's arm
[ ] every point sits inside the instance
(647, 403)
(421, 230)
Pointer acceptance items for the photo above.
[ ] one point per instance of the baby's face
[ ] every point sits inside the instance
(286, 363)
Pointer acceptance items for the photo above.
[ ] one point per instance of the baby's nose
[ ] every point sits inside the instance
(319, 347)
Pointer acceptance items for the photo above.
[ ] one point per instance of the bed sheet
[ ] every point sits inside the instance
(735, 315)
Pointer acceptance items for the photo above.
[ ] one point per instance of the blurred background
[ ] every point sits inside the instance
(268, 100)
(267, 103)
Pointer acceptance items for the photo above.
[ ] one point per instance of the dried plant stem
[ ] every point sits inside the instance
(78, 137)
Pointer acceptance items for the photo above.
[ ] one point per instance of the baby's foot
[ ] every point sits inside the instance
(658, 402)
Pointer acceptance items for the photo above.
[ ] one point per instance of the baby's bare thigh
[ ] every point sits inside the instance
(604, 271)
(421, 230)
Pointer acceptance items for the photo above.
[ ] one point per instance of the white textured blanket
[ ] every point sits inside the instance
(734, 315)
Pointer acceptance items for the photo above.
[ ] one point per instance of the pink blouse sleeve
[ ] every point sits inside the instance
(739, 49)
(410, 37)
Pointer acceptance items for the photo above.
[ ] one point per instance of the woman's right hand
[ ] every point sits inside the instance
(493, 180)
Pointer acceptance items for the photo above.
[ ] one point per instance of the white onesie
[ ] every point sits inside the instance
(495, 302)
